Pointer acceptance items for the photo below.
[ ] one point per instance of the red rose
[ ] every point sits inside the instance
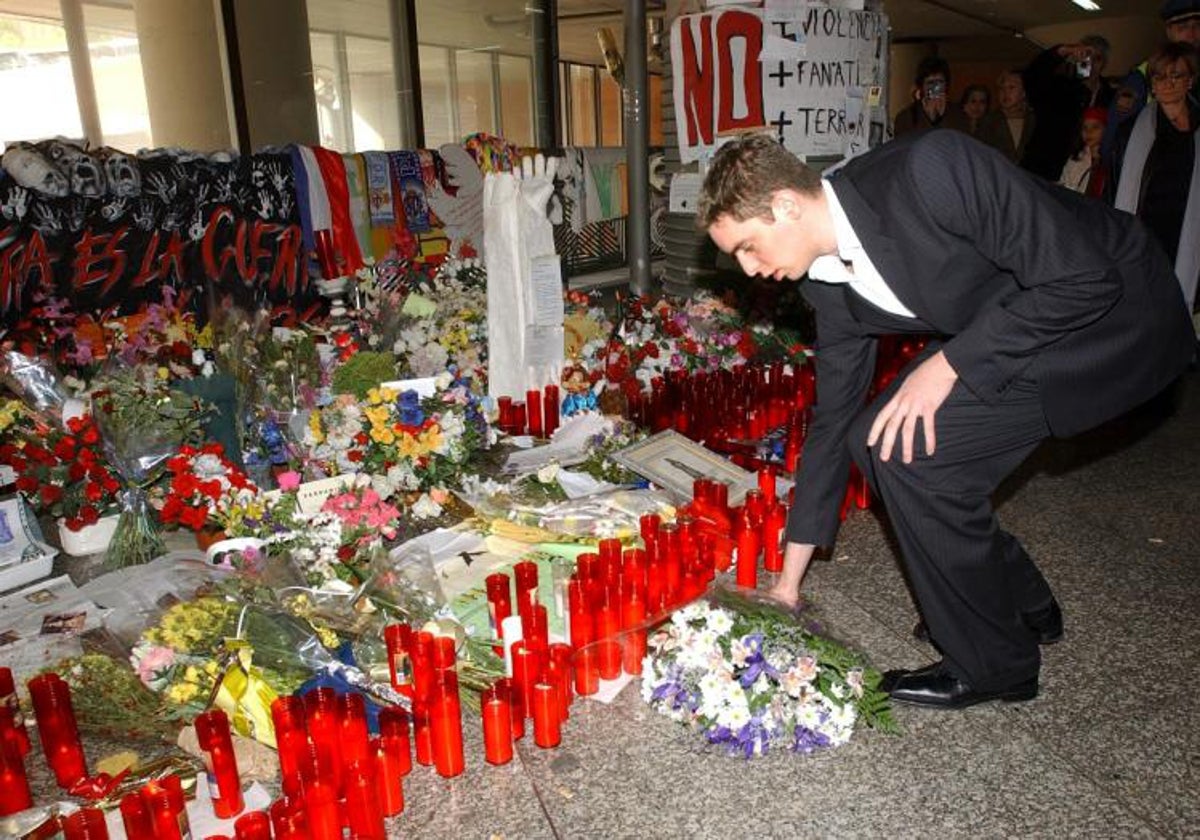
(354, 456)
(89, 435)
(64, 450)
(76, 424)
(50, 494)
(89, 515)
(27, 484)
(93, 491)
(194, 518)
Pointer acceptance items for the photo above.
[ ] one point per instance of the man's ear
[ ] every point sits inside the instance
(785, 207)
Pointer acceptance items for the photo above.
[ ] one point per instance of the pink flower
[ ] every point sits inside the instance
(155, 659)
(289, 481)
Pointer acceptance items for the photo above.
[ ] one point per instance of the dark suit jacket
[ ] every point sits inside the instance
(1021, 277)
(993, 130)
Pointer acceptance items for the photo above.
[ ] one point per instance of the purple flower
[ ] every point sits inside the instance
(808, 741)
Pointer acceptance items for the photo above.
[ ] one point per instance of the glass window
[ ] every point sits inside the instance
(436, 102)
(476, 103)
(611, 111)
(516, 99)
(327, 85)
(376, 116)
(36, 85)
(583, 105)
(117, 75)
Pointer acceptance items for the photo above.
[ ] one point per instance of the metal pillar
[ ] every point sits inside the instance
(81, 70)
(637, 145)
(406, 67)
(544, 23)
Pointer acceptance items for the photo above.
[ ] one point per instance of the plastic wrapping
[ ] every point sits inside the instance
(37, 384)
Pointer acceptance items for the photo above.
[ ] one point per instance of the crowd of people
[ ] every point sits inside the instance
(1131, 141)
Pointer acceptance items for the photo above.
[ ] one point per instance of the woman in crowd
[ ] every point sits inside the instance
(1085, 170)
(1156, 171)
(975, 103)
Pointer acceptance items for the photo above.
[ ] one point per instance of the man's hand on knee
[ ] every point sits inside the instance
(919, 397)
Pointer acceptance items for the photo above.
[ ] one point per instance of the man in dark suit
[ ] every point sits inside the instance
(1055, 314)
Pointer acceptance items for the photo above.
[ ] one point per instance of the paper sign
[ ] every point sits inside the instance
(781, 49)
(546, 282)
(544, 347)
(781, 11)
(685, 192)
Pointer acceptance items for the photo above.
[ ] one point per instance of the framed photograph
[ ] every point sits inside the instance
(673, 462)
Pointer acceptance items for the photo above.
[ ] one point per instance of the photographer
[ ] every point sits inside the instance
(929, 107)
(1060, 84)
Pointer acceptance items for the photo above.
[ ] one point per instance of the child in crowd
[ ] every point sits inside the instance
(1084, 171)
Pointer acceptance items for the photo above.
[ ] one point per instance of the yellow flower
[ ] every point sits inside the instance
(204, 338)
(409, 446)
(431, 438)
(314, 426)
(164, 373)
(211, 668)
(191, 674)
(379, 415)
(383, 435)
(376, 396)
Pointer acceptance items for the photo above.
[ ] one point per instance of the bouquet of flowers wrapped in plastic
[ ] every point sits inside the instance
(748, 676)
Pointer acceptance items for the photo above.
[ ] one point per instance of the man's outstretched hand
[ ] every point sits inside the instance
(918, 398)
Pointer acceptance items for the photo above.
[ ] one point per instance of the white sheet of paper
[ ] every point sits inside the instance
(547, 287)
(544, 345)
(775, 48)
(685, 192)
(781, 11)
(425, 387)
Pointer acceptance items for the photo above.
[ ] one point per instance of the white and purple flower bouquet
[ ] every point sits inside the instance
(748, 676)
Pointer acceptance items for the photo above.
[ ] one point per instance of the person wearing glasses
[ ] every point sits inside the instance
(1155, 169)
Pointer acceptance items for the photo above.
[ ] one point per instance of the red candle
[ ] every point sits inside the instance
(610, 551)
(580, 613)
(668, 549)
(14, 785)
(550, 408)
(389, 776)
(15, 727)
(755, 506)
(526, 574)
(445, 717)
(135, 816)
(504, 413)
(422, 663)
(323, 716)
(288, 819)
(633, 649)
(444, 655)
(519, 418)
(254, 825)
(362, 807)
(720, 497)
(747, 540)
(56, 727)
(322, 811)
(168, 812)
(561, 655)
(86, 824)
(399, 639)
(393, 732)
(497, 726)
(547, 726)
(608, 619)
(766, 483)
(535, 626)
(354, 736)
(648, 525)
(528, 663)
(772, 528)
(533, 405)
(291, 740)
(212, 733)
(587, 672)
(422, 737)
(499, 601)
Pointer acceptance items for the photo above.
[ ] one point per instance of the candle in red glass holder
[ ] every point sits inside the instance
(56, 727)
(291, 740)
(253, 825)
(167, 809)
(547, 723)
(667, 548)
(135, 816)
(550, 406)
(354, 735)
(8, 699)
(323, 718)
(14, 785)
(561, 655)
(497, 726)
(322, 810)
(720, 497)
(526, 575)
(224, 784)
(393, 732)
(504, 413)
(509, 689)
(389, 776)
(608, 620)
(656, 584)
(422, 737)
(648, 526)
(587, 671)
(610, 551)
(528, 663)
(288, 819)
(772, 527)
(499, 598)
(520, 418)
(422, 662)
(363, 813)
(445, 723)
(85, 824)
(399, 639)
(747, 539)
(444, 654)
(535, 626)
(755, 505)
(766, 483)
(533, 407)
(633, 647)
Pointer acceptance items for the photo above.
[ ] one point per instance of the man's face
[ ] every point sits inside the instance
(781, 249)
(1012, 91)
(1187, 31)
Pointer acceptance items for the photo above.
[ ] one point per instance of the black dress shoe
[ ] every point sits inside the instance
(935, 686)
(1046, 623)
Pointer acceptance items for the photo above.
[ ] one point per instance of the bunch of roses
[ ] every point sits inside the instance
(64, 473)
(204, 486)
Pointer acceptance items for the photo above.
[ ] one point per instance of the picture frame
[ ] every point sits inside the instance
(673, 462)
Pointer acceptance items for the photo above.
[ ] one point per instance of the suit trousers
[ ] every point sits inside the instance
(971, 579)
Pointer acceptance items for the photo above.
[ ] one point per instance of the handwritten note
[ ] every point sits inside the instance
(547, 290)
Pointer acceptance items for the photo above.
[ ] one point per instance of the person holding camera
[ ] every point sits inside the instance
(930, 97)
(1060, 84)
